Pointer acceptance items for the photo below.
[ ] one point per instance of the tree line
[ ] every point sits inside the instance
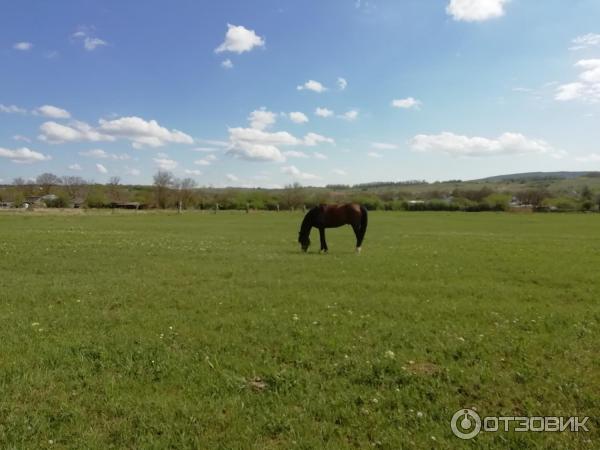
(168, 192)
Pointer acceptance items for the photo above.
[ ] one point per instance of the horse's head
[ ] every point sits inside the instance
(304, 241)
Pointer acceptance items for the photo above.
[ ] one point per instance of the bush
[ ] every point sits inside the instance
(561, 204)
(95, 198)
(587, 205)
(58, 202)
(498, 202)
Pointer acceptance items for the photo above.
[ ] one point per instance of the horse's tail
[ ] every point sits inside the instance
(364, 221)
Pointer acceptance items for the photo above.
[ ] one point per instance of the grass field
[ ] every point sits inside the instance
(156, 331)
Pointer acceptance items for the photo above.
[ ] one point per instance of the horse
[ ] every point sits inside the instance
(333, 216)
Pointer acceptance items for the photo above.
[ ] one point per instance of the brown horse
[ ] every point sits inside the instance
(333, 216)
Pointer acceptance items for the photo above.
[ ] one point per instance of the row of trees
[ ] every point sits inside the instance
(170, 192)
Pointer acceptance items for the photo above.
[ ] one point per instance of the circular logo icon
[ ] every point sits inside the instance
(465, 424)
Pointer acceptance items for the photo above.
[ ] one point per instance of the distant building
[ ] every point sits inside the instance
(37, 200)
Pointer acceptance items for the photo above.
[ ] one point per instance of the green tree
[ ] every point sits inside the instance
(163, 181)
(586, 194)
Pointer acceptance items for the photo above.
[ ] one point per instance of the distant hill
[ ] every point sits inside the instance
(540, 176)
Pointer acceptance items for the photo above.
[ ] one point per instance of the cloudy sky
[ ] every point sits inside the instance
(268, 92)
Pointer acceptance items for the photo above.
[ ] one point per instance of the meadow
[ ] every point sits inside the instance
(159, 330)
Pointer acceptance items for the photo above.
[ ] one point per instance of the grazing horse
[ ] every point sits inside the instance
(333, 216)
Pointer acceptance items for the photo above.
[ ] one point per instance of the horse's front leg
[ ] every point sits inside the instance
(323, 242)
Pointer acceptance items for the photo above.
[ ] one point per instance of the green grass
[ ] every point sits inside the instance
(156, 331)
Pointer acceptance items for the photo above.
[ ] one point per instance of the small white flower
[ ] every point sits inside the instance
(390, 354)
(419, 414)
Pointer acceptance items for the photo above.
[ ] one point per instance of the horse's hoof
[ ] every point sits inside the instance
(358, 250)
(323, 252)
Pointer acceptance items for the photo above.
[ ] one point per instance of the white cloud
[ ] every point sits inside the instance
(23, 46)
(12, 109)
(261, 119)
(232, 177)
(475, 10)
(213, 142)
(204, 149)
(296, 173)
(592, 157)
(374, 155)
(318, 155)
(239, 39)
(143, 133)
(52, 112)
(298, 117)
(19, 137)
(75, 167)
(101, 154)
(383, 146)
(23, 155)
(323, 112)
(587, 88)
(350, 115)
(165, 163)
(585, 41)
(203, 162)
(257, 145)
(406, 103)
(570, 91)
(90, 43)
(342, 83)
(295, 154)
(195, 172)
(76, 131)
(522, 89)
(101, 169)
(312, 139)
(457, 145)
(340, 172)
(312, 85)
(134, 172)
(227, 64)
(95, 153)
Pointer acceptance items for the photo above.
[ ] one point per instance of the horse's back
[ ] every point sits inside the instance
(338, 215)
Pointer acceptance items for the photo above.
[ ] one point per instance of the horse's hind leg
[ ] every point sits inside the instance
(323, 242)
(359, 236)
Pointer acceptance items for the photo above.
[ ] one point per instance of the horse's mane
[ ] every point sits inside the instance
(308, 221)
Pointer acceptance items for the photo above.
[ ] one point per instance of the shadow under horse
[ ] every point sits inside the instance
(333, 216)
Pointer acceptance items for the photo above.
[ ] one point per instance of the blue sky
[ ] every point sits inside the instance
(265, 93)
